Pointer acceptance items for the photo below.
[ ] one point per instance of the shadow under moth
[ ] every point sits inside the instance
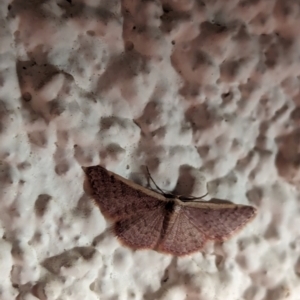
(145, 219)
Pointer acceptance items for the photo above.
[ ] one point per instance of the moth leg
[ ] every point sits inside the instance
(154, 181)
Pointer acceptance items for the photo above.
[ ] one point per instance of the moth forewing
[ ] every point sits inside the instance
(219, 221)
(131, 184)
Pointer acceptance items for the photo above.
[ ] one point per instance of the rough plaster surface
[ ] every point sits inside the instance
(205, 93)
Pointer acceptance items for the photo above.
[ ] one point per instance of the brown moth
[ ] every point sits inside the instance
(145, 219)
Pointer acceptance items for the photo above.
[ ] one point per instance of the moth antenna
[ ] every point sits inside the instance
(154, 181)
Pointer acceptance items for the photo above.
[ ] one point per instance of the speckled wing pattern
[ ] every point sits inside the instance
(144, 219)
(218, 221)
(181, 237)
(141, 231)
(117, 197)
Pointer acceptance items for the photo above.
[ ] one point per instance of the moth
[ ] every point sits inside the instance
(145, 219)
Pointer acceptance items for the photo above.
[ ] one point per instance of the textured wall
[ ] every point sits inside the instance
(205, 93)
